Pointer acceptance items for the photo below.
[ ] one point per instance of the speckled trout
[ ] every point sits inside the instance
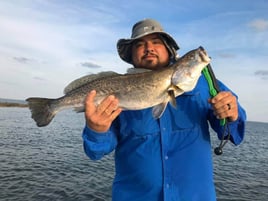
(134, 91)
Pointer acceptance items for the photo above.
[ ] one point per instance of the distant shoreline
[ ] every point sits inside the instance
(13, 105)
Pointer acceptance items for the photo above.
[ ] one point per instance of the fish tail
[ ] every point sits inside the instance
(42, 110)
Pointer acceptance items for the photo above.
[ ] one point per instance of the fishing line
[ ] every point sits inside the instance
(218, 150)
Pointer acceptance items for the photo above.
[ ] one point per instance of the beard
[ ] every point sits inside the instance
(152, 63)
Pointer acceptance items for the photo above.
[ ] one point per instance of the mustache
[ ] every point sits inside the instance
(149, 54)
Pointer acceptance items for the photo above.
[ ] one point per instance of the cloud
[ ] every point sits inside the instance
(227, 55)
(259, 24)
(39, 78)
(90, 65)
(22, 59)
(263, 74)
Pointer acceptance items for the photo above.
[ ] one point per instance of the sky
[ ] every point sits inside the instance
(45, 44)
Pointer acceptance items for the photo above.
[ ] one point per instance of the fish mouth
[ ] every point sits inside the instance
(203, 54)
(201, 48)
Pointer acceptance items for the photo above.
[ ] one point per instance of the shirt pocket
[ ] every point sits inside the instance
(188, 113)
(183, 138)
(138, 124)
(185, 120)
(139, 134)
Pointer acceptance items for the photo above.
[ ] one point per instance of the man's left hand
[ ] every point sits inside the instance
(224, 105)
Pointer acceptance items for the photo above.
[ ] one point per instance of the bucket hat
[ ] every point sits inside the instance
(141, 29)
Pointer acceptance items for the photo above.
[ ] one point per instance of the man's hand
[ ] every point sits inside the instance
(99, 118)
(224, 105)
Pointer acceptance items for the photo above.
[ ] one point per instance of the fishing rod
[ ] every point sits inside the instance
(214, 89)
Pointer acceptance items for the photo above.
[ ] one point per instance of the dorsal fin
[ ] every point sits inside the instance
(87, 78)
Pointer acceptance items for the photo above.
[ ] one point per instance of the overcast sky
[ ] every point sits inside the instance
(45, 44)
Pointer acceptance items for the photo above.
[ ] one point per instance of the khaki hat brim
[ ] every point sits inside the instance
(124, 46)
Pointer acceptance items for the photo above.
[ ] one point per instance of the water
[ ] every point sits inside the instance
(49, 163)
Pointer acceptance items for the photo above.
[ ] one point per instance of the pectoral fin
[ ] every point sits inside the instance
(172, 98)
(159, 109)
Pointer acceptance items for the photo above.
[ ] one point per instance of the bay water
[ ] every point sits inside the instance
(49, 163)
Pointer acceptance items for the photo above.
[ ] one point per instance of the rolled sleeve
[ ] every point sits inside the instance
(237, 128)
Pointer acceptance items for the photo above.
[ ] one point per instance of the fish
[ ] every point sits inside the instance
(135, 90)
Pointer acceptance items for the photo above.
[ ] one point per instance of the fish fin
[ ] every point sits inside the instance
(172, 98)
(176, 91)
(79, 109)
(41, 110)
(137, 70)
(87, 78)
(159, 109)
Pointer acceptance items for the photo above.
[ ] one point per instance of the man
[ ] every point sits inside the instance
(167, 158)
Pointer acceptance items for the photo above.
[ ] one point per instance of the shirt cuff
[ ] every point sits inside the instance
(94, 135)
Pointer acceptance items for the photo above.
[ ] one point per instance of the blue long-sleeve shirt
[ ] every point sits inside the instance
(165, 159)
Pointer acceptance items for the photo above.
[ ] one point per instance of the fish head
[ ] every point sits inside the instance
(188, 68)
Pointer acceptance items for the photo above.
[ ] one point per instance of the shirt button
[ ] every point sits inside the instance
(164, 129)
(167, 185)
(166, 157)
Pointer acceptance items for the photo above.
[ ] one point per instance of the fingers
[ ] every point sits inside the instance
(224, 105)
(100, 117)
(89, 103)
(107, 106)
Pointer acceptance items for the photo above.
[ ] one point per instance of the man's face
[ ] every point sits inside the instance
(150, 52)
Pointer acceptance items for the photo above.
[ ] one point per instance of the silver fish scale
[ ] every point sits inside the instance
(134, 91)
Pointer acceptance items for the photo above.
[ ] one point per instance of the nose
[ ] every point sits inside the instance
(149, 47)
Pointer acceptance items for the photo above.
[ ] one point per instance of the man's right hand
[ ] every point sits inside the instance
(100, 117)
